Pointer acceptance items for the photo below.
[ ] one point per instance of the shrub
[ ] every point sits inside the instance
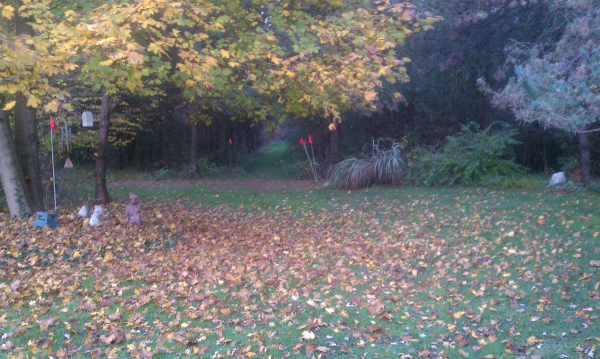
(469, 156)
(384, 165)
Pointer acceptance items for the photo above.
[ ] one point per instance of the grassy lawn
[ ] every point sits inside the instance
(266, 267)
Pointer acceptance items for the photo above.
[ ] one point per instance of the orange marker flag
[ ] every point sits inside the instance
(52, 124)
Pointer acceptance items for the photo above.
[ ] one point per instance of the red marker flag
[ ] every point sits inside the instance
(309, 139)
(302, 140)
(52, 124)
(230, 141)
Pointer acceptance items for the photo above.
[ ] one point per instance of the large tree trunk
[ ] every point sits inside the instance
(27, 141)
(26, 138)
(13, 182)
(101, 159)
(584, 151)
(194, 147)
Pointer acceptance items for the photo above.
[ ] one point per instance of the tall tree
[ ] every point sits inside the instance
(26, 138)
(25, 71)
(272, 58)
(13, 183)
(557, 85)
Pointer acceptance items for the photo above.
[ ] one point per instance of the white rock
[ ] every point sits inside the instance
(326, 184)
(83, 212)
(558, 179)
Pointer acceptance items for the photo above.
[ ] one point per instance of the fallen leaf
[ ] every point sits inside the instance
(306, 335)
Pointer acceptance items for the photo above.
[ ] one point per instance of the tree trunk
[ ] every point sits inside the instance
(204, 139)
(584, 151)
(27, 146)
(120, 153)
(27, 141)
(26, 138)
(101, 159)
(334, 137)
(194, 147)
(13, 182)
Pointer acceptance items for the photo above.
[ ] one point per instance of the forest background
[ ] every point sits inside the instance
(192, 85)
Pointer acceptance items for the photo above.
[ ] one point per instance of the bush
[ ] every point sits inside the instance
(469, 156)
(385, 165)
(204, 168)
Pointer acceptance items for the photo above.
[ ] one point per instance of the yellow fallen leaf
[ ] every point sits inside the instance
(463, 353)
(306, 335)
(107, 257)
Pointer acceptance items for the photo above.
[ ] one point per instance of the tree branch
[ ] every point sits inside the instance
(587, 131)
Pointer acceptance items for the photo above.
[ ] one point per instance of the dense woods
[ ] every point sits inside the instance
(183, 85)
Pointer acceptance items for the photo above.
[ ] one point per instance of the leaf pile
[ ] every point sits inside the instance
(405, 277)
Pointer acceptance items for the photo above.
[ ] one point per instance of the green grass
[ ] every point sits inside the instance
(270, 161)
(246, 268)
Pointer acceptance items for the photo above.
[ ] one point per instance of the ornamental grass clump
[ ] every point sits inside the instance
(383, 166)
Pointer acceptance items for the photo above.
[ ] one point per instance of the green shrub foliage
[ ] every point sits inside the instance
(383, 166)
(469, 157)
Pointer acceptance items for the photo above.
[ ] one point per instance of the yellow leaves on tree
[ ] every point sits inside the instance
(8, 11)
(299, 62)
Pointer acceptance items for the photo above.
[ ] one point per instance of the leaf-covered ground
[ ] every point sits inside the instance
(381, 273)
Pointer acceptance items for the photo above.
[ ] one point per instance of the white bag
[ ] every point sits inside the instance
(83, 212)
(94, 220)
(98, 211)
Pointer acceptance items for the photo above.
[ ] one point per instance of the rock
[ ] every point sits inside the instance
(326, 184)
(558, 179)
(83, 212)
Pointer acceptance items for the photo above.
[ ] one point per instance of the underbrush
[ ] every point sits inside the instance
(469, 157)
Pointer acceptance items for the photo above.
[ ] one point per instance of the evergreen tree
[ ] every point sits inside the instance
(557, 84)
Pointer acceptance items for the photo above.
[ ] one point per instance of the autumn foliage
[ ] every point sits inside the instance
(447, 274)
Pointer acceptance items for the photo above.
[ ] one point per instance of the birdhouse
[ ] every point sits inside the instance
(87, 119)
